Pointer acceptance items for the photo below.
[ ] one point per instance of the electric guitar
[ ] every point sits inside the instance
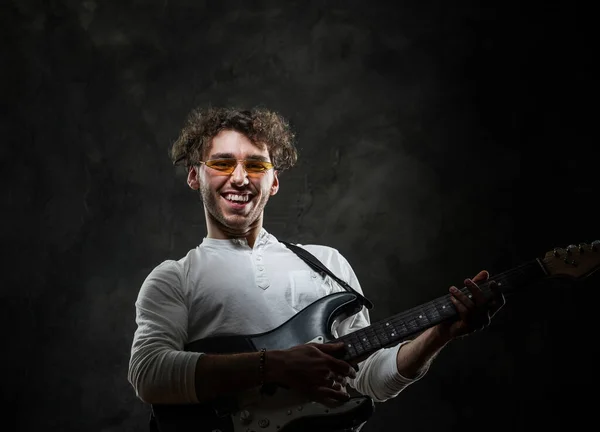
(276, 409)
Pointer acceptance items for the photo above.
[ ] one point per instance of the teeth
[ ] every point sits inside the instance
(241, 198)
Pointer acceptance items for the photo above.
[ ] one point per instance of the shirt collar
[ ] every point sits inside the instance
(238, 243)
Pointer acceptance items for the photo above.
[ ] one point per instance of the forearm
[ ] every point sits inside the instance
(417, 354)
(218, 375)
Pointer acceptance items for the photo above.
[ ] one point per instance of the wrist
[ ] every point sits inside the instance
(441, 334)
(272, 366)
(261, 365)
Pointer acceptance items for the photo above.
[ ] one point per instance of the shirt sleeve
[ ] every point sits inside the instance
(159, 370)
(378, 375)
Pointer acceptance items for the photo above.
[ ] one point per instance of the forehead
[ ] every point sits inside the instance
(236, 144)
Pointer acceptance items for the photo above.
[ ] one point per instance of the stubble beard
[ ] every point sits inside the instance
(238, 225)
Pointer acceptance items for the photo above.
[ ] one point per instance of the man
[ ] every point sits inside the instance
(242, 280)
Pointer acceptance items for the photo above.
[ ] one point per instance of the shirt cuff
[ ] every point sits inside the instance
(391, 366)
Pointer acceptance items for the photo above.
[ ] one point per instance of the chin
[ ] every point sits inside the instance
(235, 224)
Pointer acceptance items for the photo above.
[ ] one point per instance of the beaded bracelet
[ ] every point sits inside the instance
(262, 366)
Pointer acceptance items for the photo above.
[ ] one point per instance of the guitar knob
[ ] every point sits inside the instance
(245, 417)
(263, 423)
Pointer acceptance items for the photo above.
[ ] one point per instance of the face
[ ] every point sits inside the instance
(227, 214)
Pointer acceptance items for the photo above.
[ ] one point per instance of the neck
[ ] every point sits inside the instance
(218, 230)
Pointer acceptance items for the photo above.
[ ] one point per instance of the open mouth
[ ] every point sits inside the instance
(237, 200)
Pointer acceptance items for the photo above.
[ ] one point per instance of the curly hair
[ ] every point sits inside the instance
(259, 125)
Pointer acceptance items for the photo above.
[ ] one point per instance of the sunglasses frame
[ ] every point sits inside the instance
(230, 170)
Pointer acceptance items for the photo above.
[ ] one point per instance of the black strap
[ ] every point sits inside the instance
(318, 266)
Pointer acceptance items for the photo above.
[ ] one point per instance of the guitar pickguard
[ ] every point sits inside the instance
(279, 411)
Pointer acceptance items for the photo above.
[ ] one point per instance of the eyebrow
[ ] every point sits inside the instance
(232, 156)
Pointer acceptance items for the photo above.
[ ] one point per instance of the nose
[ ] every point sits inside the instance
(239, 176)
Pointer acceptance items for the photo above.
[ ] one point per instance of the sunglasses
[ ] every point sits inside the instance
(228, 166)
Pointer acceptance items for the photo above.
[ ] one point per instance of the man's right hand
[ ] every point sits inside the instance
(312, 370)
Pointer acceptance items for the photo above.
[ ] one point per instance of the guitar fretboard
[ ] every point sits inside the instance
(409, 323)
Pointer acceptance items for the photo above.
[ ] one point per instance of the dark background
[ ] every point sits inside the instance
(436, 139)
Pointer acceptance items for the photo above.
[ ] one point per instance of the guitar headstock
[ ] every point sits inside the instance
(576, 261)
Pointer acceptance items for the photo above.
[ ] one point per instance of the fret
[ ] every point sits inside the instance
(376, 342)
(412, 325)
(386, 333)
(445, 307)
(358, 340)
(430, 313)
(382, 335)
(401, 328)
(390, 330)
(357, 345)
(422, 318)
(350, 349)
(364, 340)
(520, 276)
(505, 283)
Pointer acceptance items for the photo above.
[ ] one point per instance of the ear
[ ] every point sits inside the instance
(192, 178)
(275, 185)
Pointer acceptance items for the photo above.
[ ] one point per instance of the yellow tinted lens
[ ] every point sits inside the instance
(257, 166)
(225, 165)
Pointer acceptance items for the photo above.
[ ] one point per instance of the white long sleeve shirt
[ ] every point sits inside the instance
(225, 287)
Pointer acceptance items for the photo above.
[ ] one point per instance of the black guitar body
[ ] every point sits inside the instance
(312, 324)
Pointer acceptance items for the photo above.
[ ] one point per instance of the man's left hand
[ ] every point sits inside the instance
(475, 311)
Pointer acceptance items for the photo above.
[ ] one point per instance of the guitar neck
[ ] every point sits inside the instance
(404, 325)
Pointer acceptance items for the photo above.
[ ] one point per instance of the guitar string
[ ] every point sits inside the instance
(430, 308)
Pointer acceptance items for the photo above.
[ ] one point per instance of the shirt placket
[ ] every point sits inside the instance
(260, 273)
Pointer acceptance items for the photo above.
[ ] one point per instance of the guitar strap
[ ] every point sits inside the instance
(319, 267)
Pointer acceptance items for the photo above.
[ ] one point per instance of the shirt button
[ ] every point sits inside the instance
(314, 275)
(258, 258)
(260, 268)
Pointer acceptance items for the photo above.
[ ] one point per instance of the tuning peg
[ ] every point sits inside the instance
(572, 246)
(595, 245)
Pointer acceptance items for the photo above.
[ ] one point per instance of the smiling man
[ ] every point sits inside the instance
(236, 187)
(241, 280)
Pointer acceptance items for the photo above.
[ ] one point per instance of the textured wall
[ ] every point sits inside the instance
(436, 138)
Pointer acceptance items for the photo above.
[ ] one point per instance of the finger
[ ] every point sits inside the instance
(460, 308)
(337, 386)
(341, 368)
(330, 347)
(461, 297)
(478, 297)
(483, 275)
(339, 378)
(332, 377)
(330, 393)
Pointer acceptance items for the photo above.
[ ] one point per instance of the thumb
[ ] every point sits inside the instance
(330, 347)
